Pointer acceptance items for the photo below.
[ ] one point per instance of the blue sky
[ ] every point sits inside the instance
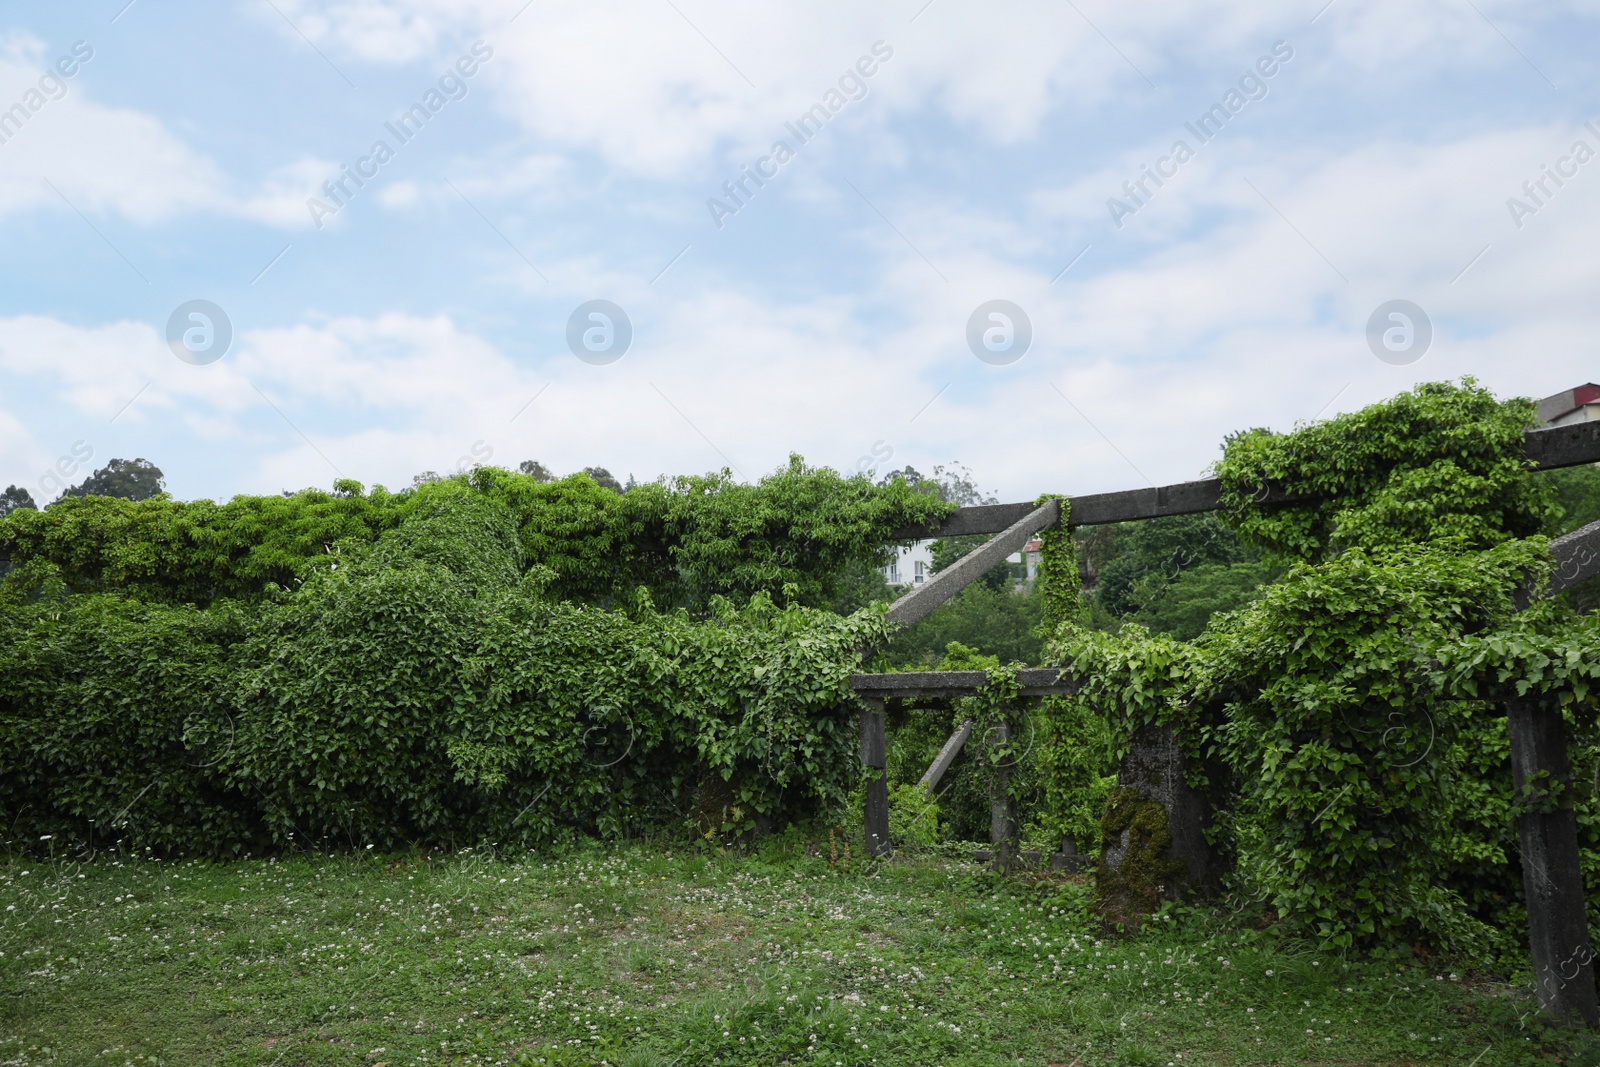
(424, 325)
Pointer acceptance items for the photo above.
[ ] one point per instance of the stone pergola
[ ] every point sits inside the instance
(1552, 879)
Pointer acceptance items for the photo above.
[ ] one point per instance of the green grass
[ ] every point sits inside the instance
(636, 956)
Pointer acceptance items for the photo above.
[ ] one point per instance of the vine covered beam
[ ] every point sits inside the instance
(907, 685)
(974, 565)
(1556, 446)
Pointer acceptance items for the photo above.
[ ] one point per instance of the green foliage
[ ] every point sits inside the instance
(1350, 711)
(1441, 461)
(799, 526)
(13, 498)
(137, 479)
(421, 688)
(1076, 771)
(174, 552)
(110, 724)
(913, 817)
(1577, 493)
(1182, 607)
(1059, 583)
(1073, 762)
(918, 732)
(996, 714)
(1138, 563)
(996, 622)
(1125, 681)
(687, 540)
(861, 582)
(1356, 761)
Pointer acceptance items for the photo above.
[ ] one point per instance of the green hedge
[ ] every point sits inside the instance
(794, 535)
(424, 687)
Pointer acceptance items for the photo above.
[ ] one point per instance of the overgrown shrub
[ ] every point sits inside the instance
(1351, 719)
(421, 688)
(800, 533)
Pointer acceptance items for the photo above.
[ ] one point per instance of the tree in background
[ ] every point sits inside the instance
(537, 471)
(15, 497)
(1578, 495)
(687, 540)
(953, 484)
(956, 485)
(990, 621)
(130, 479)
(603, 478)
(1171, 574)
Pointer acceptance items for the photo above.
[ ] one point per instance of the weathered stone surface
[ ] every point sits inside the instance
(1547, 831)
(1003, 824)
(1555, 446)
(874, 745)
(974, 565)
(947, 755)
(1153, 844)
(929, 685)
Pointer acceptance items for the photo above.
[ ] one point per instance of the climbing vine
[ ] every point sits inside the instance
(1060, 584)
(997, 715)
(1353, 715)
(1073, 746)
(1440, 462)
(685, 539)
(424, 685)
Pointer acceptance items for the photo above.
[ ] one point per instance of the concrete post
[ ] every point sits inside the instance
(874, 758)
(1547, 829)
(1003, 829)
(1153, 843)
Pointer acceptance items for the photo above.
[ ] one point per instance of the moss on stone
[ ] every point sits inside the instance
(1136, 866)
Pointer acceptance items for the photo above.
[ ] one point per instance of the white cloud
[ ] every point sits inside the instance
(1218, 315)
(659, 92)
(281, 200)
(104, 159)
(26, 462)
(399, 194)
(101, 158)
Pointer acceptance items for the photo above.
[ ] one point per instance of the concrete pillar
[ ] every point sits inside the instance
(874, 758)
(1153, 843)
(1003, 828)
(1547, 830)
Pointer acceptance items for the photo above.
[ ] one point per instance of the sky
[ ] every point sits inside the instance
(871, 234)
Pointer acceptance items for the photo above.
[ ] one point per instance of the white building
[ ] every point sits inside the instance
(912, 564)
(1030, 555)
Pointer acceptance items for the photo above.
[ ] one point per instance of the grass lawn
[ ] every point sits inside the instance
(638, 955)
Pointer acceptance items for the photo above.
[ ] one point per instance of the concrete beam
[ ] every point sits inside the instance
(974, 565)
